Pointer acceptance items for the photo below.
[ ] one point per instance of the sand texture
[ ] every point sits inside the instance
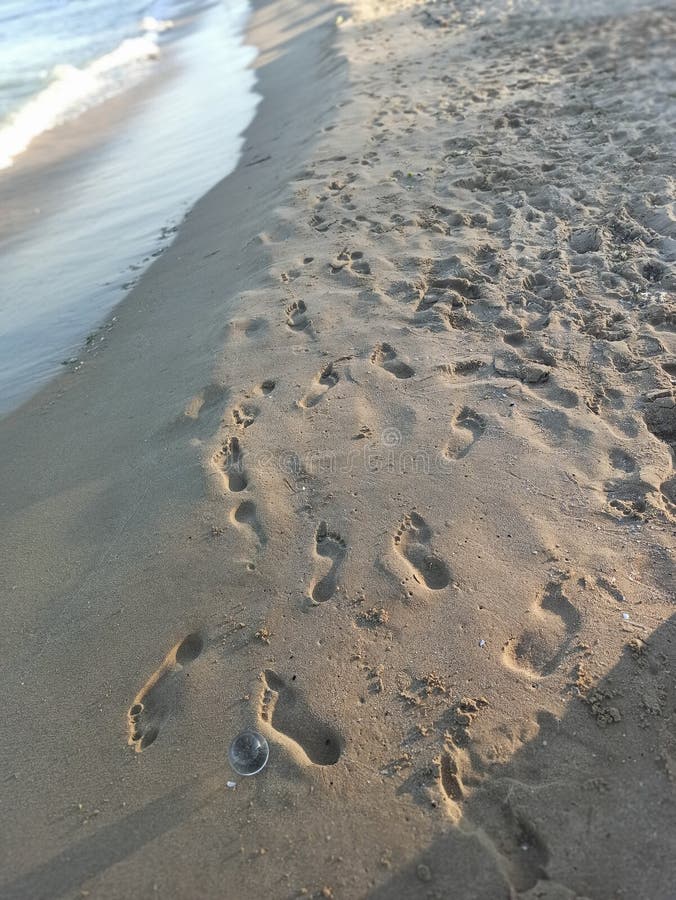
(379, 460)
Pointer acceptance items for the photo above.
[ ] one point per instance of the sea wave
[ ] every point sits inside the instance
(72, 90)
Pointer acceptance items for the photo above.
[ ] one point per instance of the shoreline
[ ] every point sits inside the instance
(459, 640)
(79, 142)
(90, 205)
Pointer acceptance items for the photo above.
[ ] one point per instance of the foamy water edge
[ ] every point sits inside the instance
(73, 90)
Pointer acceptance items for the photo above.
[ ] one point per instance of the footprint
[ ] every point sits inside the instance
(244, 415)
(291, 275)
(331, 546)
(283, 707)
(328, 376)
(621, 460)
(230, 461)
(512, 365)
(385, 356)
(468, 427)
(237, 329)
(524, 853)
(296, 316)
(542, 647)
(450, 780)
(324, 381)
(630, 498)
(266, 387)
(611, 589)
(470, 366)
(245, 515)
(159, 697)
(320, 224)
(203, 407)
(352, 262)
(208, 398)
(412, 540)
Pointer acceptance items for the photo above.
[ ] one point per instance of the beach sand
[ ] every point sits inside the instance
(377, 459)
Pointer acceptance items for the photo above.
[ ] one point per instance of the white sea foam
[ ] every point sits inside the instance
(71, 90)
(104, 217)
(150, 23)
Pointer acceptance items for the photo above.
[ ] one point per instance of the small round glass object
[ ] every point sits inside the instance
(249, 753)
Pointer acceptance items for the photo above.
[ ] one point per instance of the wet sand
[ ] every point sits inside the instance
(377, 459)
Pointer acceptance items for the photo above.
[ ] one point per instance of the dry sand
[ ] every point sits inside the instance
(378, 458)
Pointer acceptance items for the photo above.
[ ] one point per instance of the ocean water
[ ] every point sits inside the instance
(58, 58)
(187, 71)
(38, 35)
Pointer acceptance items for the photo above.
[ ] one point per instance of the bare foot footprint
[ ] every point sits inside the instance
(229, 458)
(266, 387)
(159, 697)
(244, 415)
(468, 427)
(412, 540)
(621, 460)
(331, 546)
(240, 328)
(324, 381)
(296, 316)
(450, 780)
(524, 853)
(541, 647)
(284, 709)
(209, 398)
(385, 356)
(246, 517)
(350, 261)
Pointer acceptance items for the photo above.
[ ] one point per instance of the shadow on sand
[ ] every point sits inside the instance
(585, 809)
